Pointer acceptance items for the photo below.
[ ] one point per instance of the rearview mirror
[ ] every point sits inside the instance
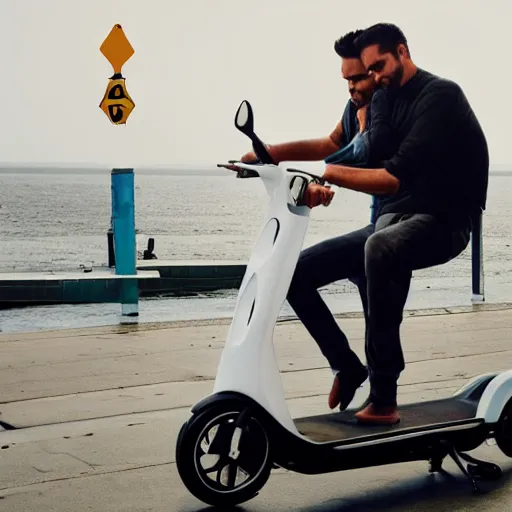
(244, 119)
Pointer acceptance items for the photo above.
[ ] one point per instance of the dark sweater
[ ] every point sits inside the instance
(442, 159)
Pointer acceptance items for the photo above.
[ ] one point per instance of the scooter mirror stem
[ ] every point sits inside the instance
(244, 121)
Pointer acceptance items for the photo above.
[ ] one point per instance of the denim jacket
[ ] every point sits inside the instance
(368, 148)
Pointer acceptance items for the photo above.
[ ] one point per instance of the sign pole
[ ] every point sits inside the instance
(118, 105)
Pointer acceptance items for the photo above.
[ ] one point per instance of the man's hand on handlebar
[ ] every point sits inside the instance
(316, 195)
(249, 158)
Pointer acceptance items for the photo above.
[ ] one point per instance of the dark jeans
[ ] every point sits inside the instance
(380, 257)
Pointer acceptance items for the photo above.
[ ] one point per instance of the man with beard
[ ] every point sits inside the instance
(432, 187)
(350, 143)
(353, 121)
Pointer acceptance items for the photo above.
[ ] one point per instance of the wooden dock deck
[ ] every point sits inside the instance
(97, 412)
(155, 277)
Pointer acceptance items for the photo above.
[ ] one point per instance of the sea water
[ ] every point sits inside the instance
(57, 219)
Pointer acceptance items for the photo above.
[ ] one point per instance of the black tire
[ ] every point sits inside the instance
(503, 434)
(254, 459)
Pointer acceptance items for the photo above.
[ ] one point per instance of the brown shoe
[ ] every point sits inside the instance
(344, 387)
(373, 415)
(334, 395)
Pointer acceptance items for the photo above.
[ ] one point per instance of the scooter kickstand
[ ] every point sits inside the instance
(458, 460)
(482, 469)
(435, 464)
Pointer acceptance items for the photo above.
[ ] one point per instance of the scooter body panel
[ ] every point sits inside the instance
(248, 363)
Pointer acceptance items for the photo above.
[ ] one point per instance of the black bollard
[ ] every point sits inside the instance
(111, 252)
(148, 253)
(477, 284)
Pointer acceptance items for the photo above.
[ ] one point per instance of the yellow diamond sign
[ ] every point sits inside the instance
(116, 48)
(116, 102)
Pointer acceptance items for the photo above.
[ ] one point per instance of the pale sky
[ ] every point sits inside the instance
(195, 60)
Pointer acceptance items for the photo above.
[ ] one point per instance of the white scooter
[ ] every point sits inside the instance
(235, 436)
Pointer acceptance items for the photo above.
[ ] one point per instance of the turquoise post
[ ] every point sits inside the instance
(123, 226)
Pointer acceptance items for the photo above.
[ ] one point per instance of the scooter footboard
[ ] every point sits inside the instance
(495, 397)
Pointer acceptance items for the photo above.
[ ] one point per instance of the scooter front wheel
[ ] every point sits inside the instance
(223, 455)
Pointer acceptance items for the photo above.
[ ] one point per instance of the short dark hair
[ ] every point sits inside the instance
(386, 35)
(345, 47)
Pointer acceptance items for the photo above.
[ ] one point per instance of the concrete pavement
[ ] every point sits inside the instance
(97, 412)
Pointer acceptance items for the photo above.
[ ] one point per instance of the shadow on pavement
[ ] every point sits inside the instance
(442, 491)
(439, 492)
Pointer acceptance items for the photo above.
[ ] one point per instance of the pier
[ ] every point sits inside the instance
(154, 278)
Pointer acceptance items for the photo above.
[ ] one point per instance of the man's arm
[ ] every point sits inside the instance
(313, 149)
(435, 119)
(370, 181)
(303, 150)
(309, 150)
(380, 138)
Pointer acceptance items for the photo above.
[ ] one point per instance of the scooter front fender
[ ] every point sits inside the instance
(221, 397)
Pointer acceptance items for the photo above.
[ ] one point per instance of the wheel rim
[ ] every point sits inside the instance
(213, 465)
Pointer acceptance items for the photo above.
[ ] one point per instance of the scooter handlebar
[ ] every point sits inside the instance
(250, 170)
(242, 170)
